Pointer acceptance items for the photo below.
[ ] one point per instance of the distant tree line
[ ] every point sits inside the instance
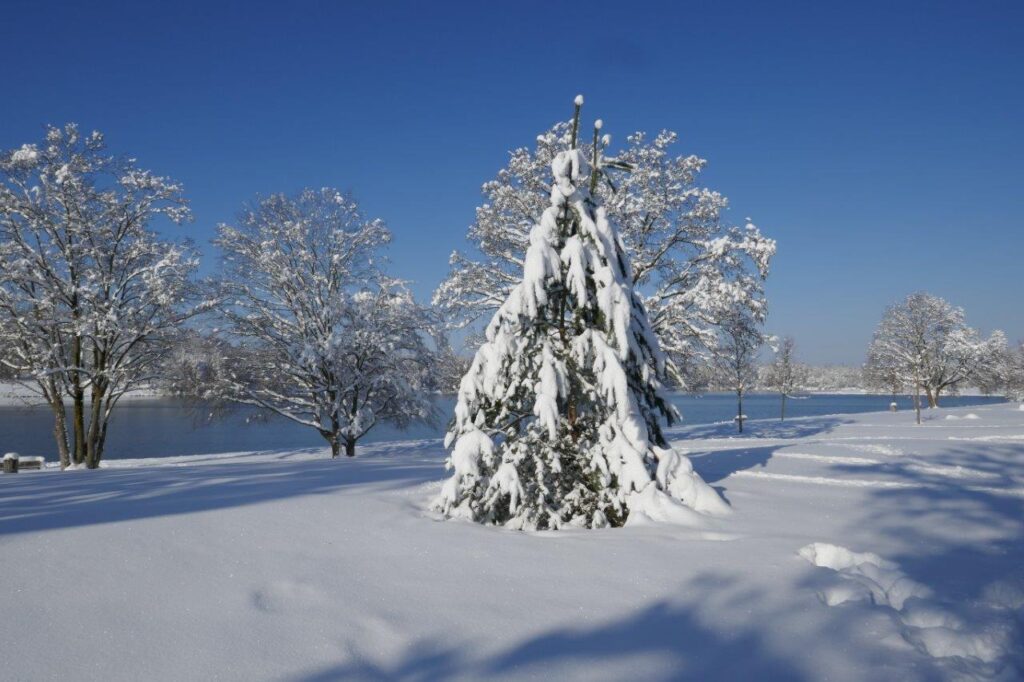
(302, 321)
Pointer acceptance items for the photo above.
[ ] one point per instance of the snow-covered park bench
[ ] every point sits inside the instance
(13, 463)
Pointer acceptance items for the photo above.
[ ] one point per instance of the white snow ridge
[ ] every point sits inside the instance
(979, 647)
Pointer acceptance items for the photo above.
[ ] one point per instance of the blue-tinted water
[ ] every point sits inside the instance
(161, 428)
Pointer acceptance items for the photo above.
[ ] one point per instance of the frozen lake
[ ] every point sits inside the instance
(162, 428)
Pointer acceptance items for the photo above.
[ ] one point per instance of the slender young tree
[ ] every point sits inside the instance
(736, 357)
(327, 340)
(90, 296)
(558, 418)
(784, 375)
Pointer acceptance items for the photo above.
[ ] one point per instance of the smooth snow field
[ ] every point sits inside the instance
(860, 547)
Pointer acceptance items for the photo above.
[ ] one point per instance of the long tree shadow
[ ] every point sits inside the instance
(35, 502)
(973, 529)
(716, 465)
(801, 427)
(671, 633)
(662, 642)
(961, 534)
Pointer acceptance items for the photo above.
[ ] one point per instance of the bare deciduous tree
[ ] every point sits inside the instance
(923, 342)
(90, 296)
(329, 341)
(784, 375)
(735, 358)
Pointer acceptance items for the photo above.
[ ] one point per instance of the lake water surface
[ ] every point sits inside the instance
(162, 428)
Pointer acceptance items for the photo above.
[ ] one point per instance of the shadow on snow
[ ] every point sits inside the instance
(668, 642)
(35, 502)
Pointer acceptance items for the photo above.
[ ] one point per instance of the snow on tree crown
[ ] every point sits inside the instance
(557, 420)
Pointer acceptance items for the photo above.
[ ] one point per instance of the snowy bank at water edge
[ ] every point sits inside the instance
(860, 547)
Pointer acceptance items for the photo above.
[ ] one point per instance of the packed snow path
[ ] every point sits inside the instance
(860, 547)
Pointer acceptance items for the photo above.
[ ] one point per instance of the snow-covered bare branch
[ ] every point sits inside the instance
(784, 374)
(923, 342)
(89, 295)
(329, 341)
(735, 355)
(690, 265)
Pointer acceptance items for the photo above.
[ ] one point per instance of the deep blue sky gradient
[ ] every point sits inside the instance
(880, 144)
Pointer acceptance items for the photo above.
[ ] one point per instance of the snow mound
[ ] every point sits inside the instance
(652, 506)
(969, 415)
(1006, 594)
(923, 623)
(879, 581)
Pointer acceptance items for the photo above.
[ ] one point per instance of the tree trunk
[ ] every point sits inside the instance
(932, 398)
(101, 442)
(782, 417)
(350, 447)
(935, 398)
(917, 402)
(92, 453)
(60, 434)
(77, 401)
(78, 423)
(335, 447)
(94, 443)
(739, 410)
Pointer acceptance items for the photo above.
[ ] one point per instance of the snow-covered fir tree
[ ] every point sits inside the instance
(558, 418)
(690, 266)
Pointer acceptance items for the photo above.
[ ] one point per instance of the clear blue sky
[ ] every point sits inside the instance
(881, 145)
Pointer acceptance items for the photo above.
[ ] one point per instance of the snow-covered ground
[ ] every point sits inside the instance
(860, 548)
